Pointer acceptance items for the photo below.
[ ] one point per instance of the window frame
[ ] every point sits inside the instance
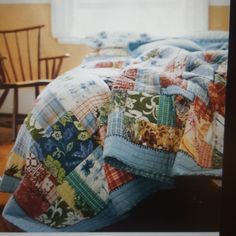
(24, 1)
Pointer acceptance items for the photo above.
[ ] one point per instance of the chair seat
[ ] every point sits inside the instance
(28, 83)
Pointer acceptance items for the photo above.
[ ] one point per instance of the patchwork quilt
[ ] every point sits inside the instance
(108, 133)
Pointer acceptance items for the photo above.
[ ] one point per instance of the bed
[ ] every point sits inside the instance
(137, 113)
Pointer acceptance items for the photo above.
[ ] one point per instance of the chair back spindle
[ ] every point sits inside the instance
(22, 66)
(21, 47)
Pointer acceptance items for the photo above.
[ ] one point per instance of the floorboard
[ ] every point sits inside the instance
(5, 147)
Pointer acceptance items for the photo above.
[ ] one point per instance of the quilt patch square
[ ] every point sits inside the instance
(90, 105)
(64, 145)
(166, 114)
(59, 215)
(23, 142)
(30, 200)
(15, 166)
(205, 153)
(142, 106)
(48, 110)
(115, 177)
(85, 196)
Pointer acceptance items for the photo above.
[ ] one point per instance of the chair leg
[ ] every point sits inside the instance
(36, 91)
(3, 96)
(15, 114)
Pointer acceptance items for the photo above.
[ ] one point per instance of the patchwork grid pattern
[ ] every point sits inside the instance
(67, 179)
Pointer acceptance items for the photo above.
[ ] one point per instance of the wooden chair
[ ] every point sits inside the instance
(21, 65)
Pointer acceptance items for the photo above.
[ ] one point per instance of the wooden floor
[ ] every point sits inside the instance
(193, 206)
(5, 147)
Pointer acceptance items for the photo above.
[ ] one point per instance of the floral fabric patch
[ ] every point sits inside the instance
(59, 215)
(91, 172)
(142, 106)
(28, 198)
(64, 145)
(37, 189)
(153, 135)
(34, 127)
(15, 166)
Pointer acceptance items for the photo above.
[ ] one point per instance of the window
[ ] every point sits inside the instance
(75, 19)
(23, 1)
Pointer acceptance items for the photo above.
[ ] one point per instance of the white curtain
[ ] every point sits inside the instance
(73, 19)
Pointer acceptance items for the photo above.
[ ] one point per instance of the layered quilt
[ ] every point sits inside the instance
(105, 135)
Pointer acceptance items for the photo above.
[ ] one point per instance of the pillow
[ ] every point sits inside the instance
(109, 51)
(114, 39)
(211, 40)
(177, 42)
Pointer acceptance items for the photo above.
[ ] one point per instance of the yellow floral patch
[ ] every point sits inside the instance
(159, 136)
(67, 193)
(83, 136)
(15, 165)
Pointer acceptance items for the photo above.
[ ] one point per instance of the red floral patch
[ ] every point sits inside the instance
(38, 188)
(30, 199)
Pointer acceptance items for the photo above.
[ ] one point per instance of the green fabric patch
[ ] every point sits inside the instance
(142, 106)
(166, 114)
(118, 98)
(60, 215)
(35, 132)
(85, 193)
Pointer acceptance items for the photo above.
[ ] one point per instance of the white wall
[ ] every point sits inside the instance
(212, 2)
(23, 1)
(26, 101)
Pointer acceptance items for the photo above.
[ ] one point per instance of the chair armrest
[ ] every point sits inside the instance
(55, 57)
(53, 65)
(2, 58)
